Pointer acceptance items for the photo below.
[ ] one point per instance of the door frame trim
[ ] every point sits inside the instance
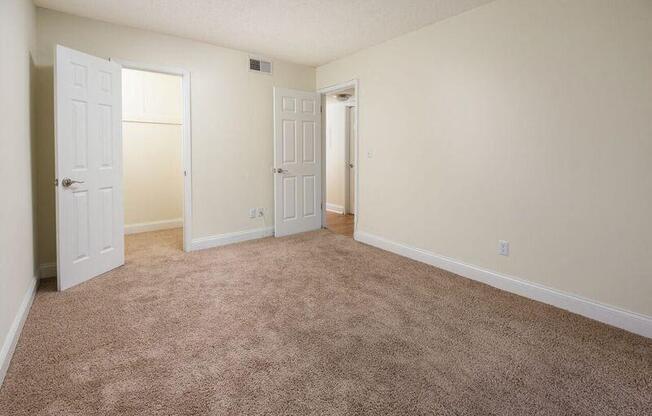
(355, 84)
(186, 139)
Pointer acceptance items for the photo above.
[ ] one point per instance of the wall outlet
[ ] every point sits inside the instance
(252, 212)
(503, 247)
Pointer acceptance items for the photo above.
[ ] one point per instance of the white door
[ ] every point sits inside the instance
(297, 161)
(350, 160)
(88, 166)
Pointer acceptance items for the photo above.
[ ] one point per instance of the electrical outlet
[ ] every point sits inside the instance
(252, 212)
(503, 247)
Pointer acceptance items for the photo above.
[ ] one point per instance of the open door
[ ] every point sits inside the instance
(297, 161)
(349, 150)
(88, 166)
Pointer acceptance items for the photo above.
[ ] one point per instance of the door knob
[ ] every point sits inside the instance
(351, 165)
(280, 170)
(66, 182)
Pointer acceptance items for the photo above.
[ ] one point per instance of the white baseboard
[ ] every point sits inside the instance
(230, 238)
(144, 227)
(47, 270)
(629, 321)
(339, 209)
(11, 340)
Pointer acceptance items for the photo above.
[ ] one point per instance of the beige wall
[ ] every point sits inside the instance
(151, 141)
(232, 124)
(17, 171)
(523, 120)
(153, 180)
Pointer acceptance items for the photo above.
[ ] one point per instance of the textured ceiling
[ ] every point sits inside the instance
(311, 32)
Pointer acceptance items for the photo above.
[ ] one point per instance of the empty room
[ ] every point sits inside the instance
(362, 207)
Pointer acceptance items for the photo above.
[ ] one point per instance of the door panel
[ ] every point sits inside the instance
(297, 154)
(289, 197)
(289, 141)
(88, 143)
(309, 202)
(309, 147)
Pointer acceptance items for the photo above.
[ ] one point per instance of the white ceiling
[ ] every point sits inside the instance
(311, 32)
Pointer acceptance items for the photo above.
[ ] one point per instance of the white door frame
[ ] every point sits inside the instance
(356, 194)
(186, 139)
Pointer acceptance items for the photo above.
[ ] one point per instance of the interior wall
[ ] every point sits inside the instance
(522, 120)
(232, 123)
(335, 154)
(151, 140)
(17, 171)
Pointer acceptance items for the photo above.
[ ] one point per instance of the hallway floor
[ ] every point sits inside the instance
(340, 224)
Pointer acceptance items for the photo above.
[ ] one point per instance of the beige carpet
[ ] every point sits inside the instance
(311, 324)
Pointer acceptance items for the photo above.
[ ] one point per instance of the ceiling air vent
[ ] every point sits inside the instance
(258, 65)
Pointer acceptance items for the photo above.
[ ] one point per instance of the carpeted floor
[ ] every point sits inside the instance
(311, 324)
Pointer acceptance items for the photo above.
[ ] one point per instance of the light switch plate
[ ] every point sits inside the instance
(503, 247)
